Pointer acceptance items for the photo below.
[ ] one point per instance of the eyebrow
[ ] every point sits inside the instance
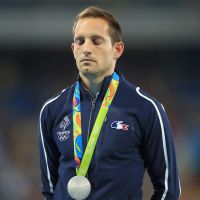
(97, 37)
(78, 38)
(93, 37)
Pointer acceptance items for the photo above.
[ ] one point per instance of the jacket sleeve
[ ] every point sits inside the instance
(49, 156)
(159, 155)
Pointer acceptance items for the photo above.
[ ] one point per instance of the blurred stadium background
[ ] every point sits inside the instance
(162, 55)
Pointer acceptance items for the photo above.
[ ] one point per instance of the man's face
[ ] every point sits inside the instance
(92, 48)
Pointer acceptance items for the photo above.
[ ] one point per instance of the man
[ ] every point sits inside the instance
(127, 130)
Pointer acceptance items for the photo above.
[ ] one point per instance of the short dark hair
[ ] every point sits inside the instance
(95, 12)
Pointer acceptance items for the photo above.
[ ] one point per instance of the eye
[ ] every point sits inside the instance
(79, 41)
(97, 41)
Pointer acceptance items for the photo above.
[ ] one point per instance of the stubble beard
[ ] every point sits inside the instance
(92, 71)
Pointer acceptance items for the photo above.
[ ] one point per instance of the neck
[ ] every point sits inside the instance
(93, 84)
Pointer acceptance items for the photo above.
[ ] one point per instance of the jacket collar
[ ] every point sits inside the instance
(103, 89)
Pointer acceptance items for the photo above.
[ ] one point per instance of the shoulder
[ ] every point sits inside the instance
(140, 99)
(155, 110)
(57, 101)
(147, 99)
(146, 108)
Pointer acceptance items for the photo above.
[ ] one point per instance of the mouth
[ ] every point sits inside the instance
(87, 60)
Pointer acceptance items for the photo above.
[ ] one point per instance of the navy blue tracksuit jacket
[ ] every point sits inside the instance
(135, 136)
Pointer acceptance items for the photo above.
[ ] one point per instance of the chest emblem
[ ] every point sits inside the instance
(119, 125)
(63, 134)
(65, 123)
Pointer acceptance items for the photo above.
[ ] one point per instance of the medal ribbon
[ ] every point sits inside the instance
(84, 160)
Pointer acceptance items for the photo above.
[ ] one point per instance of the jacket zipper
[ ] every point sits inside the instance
(91, 114)
(90, 119)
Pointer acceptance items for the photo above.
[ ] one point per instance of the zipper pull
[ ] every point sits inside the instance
(93, 105)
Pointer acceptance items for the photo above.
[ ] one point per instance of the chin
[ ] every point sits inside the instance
(88, 72)
(87, 69)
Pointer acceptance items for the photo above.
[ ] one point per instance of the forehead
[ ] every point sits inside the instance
(91, 26)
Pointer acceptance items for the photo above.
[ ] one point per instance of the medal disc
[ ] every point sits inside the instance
(79, 187)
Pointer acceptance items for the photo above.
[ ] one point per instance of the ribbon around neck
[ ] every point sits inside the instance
(82, 161)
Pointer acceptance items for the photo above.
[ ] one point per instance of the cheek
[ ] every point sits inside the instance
(108, 55)
(76, 51)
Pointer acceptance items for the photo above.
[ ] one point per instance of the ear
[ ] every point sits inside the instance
(118, 49)
(72, 47)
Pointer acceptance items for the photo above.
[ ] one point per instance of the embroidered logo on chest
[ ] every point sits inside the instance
(65, 123)
(64, 134)
(119, 125)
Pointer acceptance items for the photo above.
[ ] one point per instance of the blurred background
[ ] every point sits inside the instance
(162, 55)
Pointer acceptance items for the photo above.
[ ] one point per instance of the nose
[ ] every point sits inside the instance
(87, 48)
(86, 52)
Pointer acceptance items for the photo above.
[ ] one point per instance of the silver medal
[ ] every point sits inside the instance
(79, 187)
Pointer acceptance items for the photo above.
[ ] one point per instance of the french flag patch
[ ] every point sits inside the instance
(119, 125)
